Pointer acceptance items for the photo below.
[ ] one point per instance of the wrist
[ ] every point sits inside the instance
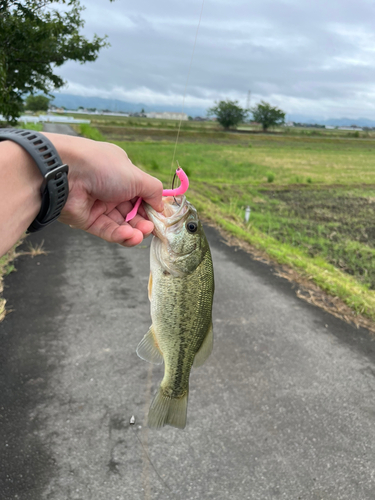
(64, 144)
(20, 197)
(23, 176)
(55, 188)
(72, 152)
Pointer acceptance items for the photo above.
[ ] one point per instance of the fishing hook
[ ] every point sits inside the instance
(174, 178)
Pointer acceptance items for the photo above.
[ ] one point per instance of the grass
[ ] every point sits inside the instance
(312, 199)
(7, 266)
(38, 127)
(90, 132)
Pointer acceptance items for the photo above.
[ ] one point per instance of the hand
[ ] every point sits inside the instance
(103, 186)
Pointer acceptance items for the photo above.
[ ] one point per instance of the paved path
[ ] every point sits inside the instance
(283, 409)
(59, 128)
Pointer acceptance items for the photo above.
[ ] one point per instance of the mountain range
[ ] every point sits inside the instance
(71, 101)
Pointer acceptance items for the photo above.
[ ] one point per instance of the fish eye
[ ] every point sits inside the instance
(191, 226)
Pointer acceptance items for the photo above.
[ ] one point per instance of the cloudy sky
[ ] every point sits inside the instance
(309, 57)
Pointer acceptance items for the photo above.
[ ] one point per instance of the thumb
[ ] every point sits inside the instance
(151, 190)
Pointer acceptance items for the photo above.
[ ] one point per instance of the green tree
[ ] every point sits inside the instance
(35, 38)
(37, 102)
(228, 113)
(267, 115)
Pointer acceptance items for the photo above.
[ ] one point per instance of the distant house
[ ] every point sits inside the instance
(352, 127)
(56, 109)
(167, 115)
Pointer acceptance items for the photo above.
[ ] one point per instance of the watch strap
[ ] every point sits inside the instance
(55, 188)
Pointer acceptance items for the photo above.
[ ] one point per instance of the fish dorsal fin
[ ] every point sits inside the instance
(148, 349)
(205, 349)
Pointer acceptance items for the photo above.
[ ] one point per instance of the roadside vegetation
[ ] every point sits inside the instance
(312, 198)
(38, 127)
(7, 266)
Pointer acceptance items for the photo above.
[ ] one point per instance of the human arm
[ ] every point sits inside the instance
(102, 184)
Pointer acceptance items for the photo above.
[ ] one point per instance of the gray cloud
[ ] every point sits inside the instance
(307, 57)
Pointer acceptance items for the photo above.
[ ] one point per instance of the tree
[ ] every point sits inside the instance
(267, 115)
(37, 103)
(34, 39)
(228, 113)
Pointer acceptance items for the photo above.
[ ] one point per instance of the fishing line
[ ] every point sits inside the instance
(186, 84)
(132, 422)
(132, 419)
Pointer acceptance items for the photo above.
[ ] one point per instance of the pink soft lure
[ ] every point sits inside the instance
(166, 192)
(183, 186)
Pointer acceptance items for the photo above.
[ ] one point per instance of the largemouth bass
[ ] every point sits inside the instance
(181, 289)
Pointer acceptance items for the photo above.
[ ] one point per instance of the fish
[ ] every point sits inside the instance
(180, 290)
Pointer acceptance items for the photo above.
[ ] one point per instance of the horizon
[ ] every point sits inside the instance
(195, 111)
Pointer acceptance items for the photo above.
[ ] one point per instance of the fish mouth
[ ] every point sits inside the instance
(175, 209)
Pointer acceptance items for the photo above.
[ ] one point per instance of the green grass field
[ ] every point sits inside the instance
(312, 198)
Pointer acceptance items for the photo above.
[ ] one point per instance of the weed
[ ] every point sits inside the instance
(154, 165)
(6, 267)
(90, 132)
(38, 127)
(35, 250)
(270, 177)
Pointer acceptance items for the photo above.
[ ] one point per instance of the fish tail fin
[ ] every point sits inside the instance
(165, 410)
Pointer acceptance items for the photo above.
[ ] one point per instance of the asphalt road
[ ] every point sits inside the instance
(283, 408)
(59, 128)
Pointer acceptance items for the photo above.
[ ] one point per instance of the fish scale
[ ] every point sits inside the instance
(186, 329)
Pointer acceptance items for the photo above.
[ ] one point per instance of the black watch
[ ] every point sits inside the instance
(55, 188)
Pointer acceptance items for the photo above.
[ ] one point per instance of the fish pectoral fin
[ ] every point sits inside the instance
(149, 286)
(148, 349)
(205, 349)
